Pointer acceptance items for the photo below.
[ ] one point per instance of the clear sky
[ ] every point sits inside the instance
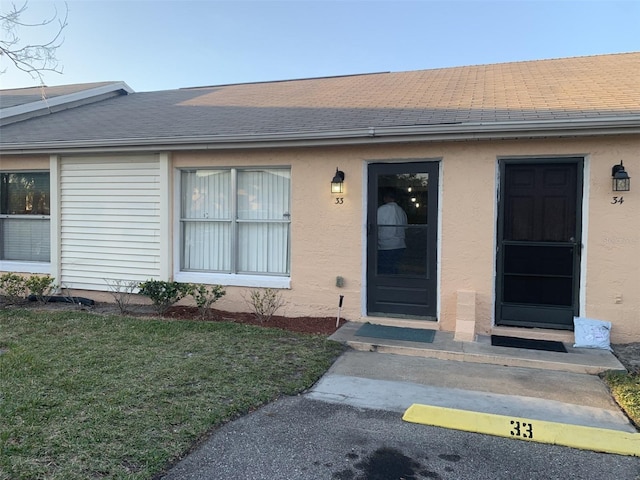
(157, 45)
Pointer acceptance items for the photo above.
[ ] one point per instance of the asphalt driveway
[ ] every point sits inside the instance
(300, 438)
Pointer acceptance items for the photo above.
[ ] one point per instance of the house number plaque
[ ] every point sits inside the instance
(617, 200)
(521, 429)
(339, 200)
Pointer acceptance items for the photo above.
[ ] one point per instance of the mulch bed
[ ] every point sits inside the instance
(308, 324)
(312, 325)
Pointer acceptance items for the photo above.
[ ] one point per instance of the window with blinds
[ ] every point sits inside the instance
(236, 220)
(24, 216)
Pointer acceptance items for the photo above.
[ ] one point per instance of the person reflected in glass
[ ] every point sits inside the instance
(392, 223)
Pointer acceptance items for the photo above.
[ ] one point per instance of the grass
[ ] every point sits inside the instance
(86, 396)
(625, 388)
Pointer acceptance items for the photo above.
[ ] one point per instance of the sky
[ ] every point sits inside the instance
(160, 45)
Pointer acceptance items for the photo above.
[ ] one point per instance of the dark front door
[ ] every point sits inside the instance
(402, 239)
(539, 243)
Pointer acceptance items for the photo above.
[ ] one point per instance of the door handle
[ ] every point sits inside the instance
(577, 246)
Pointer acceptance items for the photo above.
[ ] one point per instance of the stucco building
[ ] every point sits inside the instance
(504, 173)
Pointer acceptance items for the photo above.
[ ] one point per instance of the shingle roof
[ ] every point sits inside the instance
(605, 87)
(22, 96)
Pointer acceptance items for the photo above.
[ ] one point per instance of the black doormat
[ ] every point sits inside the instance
(396, 333)
(514, 342)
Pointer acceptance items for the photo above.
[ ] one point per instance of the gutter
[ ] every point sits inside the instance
(369, 135)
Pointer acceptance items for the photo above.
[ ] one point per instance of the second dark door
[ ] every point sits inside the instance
(539, 243)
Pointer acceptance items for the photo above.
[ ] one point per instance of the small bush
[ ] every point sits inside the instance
(163, 294)
(41, 286)
(13, 288)
(265, 303)
(122, 292)
(206, 296)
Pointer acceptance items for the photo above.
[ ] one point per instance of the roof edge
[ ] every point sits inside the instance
(47, 103)
(411, 133)
(285, 80)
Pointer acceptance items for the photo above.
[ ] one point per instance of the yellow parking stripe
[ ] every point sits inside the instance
(575, 436)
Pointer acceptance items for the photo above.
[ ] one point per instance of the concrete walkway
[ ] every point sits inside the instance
(540, 385)
(444, 347)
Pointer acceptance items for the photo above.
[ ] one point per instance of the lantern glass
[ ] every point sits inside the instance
(621, 179)
(337, 184)
(621, 184)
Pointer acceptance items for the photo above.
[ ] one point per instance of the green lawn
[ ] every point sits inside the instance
(625, 388)
(87, 396)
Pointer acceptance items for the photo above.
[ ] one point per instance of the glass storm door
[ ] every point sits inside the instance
(538, 251)
(402, 239)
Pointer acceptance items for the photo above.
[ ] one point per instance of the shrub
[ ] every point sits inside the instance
(13, 288)
(163, 294)
(121, 291)
(41, 287)
(265, 303)
(206, 296)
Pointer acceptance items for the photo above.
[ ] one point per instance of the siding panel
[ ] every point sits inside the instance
(109, 220)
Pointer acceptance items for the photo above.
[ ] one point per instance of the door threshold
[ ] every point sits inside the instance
(421, 318)
(565, 336)
(426, 324)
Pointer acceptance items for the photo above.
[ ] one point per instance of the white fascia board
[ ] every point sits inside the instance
(62, 99)
(412, 133)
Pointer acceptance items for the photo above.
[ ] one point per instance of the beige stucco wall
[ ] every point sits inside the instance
(611, 264)
(31, 162)
(613, 249)
(328, 239)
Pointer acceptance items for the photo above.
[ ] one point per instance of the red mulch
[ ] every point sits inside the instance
(311, 325)
(314, 325)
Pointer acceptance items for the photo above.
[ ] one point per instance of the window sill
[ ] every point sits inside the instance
(25, 267)
(258, 281)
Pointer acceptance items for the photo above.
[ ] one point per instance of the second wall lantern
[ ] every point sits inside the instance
(621, 179)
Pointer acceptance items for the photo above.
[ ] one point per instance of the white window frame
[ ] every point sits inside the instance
(216, 278)
(24, 266)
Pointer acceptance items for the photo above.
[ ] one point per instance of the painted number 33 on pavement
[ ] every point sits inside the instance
(522, 430)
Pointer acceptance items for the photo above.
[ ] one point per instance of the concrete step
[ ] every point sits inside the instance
(444, 347)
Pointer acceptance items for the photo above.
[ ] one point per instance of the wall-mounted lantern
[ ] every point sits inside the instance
(337, 184)
(621, 179)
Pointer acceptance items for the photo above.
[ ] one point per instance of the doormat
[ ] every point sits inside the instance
(396, 333)
(514, 342)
